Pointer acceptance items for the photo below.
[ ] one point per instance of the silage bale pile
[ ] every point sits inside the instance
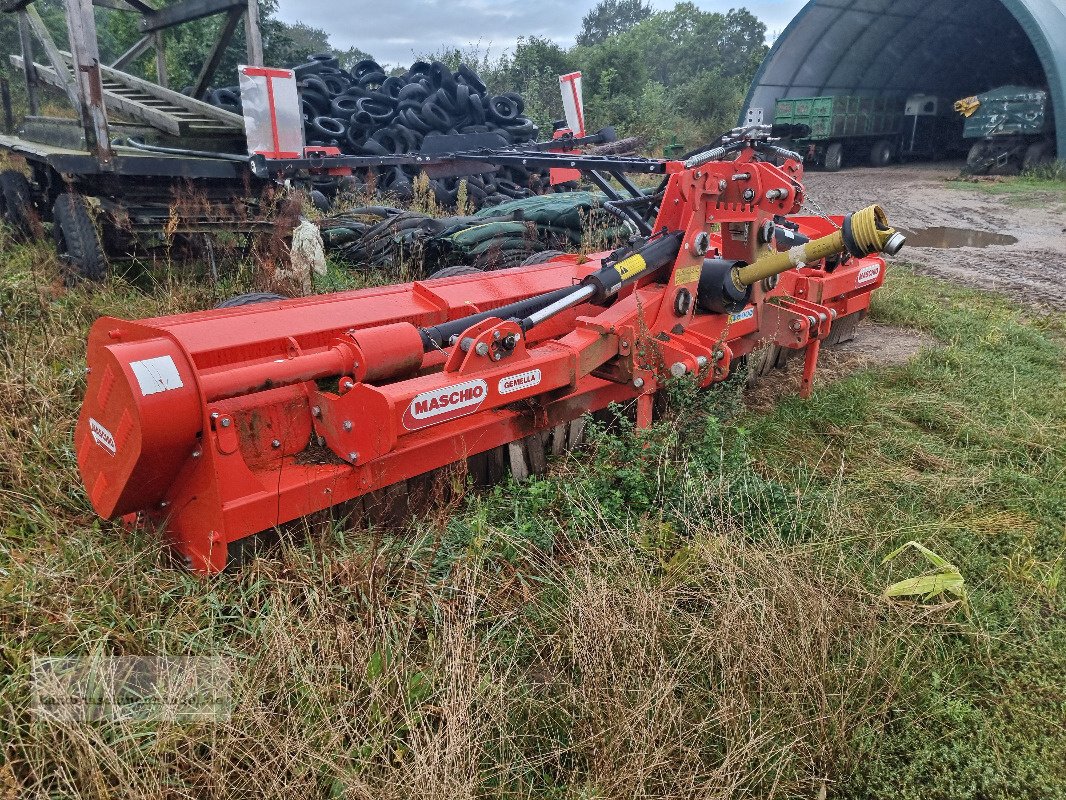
(504, 236)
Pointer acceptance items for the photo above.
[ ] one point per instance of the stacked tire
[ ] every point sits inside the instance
(365, 112)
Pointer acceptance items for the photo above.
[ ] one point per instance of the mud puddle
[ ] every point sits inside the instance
(951, 238)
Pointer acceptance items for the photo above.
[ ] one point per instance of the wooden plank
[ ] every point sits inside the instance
(176, 98)
(52, 53)
(214, 58)
(85, 60)
(160, 59)
(123, 105)
(253, 34)
(185, 11)
(135, 51)
(26, 43)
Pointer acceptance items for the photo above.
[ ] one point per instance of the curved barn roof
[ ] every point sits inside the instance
(950, 48)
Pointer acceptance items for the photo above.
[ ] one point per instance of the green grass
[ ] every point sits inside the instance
(695, 611)
(1038, 187)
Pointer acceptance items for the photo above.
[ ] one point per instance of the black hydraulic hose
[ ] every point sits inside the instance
(615, 207)
(179, 151)
(439, 336)
(620, 211)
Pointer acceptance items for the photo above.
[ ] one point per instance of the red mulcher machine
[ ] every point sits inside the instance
(217, 425)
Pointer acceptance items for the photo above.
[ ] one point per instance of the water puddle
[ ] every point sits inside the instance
(949, 238)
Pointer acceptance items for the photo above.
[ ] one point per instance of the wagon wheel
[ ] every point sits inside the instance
(250, 299)
(16, 204)
(455, 272)
(834, 157)
(77, 240)
(543, 257)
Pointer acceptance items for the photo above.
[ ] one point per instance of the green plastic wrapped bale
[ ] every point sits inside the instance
(1009, 111)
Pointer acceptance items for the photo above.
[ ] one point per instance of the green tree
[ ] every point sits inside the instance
(611, 17)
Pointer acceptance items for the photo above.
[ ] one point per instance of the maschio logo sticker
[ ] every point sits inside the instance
(868, 274)
(516, 383)
(740, 316)
(441, 405)
(102, 436)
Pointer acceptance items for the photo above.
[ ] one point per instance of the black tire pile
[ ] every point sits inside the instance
(368, 113)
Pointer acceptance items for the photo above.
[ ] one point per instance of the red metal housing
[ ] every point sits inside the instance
(225, 423)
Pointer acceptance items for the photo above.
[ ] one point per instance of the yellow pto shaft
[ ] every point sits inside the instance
(864, 232)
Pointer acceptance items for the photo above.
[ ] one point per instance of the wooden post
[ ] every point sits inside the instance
(135, 51)
(26, 42)
(5, 101)
(81, 29)
(54, 57)
(160, 59)
(253, 34)
(214, 58)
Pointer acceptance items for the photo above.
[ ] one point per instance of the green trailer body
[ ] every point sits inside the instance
(842, 116)
(1012, 129)
(1009, 111)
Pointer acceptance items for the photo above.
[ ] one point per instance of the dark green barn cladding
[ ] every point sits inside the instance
(951, 48)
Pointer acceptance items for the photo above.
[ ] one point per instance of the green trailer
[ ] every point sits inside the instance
(851, 129)
(1012, 128)
(844, 127)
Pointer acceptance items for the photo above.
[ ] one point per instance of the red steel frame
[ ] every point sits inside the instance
(202, 422)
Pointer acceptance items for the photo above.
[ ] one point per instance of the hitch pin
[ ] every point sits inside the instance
(777, 194)
(742, 176)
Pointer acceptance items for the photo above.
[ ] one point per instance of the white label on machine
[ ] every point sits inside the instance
(156, 375)
(740, 316)
(273, 119)
(573, 107)
(868, 274)
(754, 116)
(102, 436)
(516, 383)
(441, 405)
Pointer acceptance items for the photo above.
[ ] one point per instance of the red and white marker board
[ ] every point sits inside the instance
(573, 107)
(273, 122)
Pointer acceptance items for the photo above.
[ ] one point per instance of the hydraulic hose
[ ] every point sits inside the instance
(864, 232)
(179, 151)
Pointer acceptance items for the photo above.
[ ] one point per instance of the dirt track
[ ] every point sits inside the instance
(919, 196)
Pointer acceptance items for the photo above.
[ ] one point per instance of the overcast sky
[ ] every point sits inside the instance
(395, 30)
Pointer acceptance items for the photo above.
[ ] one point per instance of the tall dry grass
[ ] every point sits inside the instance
(613, 649)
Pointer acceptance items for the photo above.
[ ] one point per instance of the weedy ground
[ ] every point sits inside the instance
(1042, 186)
(693, 611)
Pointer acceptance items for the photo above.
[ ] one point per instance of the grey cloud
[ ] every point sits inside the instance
(395, 31)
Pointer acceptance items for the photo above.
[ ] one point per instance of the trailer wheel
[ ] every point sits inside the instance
(543, 257)
(834, 157)
(1037, 154)
(455, 272)
(881, 153)
(250, 299)
(16, 203)
(77, 240)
